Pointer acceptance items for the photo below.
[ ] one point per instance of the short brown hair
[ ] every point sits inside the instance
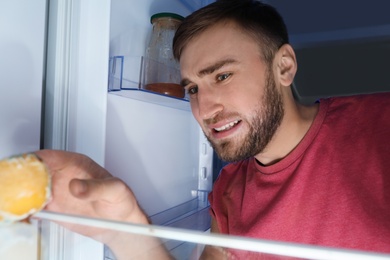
(261, 21)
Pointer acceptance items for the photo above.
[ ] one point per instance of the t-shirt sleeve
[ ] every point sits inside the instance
(210, 197)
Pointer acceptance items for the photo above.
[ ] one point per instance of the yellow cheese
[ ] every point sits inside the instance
(24, 187)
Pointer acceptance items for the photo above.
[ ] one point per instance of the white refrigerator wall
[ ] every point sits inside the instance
(159, 151)
(22, 53)
(155, 146)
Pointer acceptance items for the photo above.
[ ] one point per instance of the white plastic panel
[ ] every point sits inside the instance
(22, 45)
(75, 105)
(154, 149)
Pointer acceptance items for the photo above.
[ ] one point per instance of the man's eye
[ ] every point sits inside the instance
(192, 90)
(223, 77)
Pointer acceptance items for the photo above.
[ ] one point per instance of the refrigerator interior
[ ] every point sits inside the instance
(152, 141)
(82, 35)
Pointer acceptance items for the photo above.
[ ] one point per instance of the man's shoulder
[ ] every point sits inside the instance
(367, 98)
(361, 103)
(365, 111)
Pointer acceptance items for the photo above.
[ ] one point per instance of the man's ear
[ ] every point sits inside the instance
(286, 64)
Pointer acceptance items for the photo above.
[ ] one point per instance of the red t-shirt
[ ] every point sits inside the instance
(332, 190)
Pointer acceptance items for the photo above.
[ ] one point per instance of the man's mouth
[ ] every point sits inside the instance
(227, 126)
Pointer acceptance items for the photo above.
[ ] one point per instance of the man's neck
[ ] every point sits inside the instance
(294, 126)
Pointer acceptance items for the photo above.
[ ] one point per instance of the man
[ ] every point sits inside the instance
(316, 174)
(307, 174)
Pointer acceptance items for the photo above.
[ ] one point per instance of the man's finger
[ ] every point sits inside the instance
(109, 189)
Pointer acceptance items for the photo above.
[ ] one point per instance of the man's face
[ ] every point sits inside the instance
(232, 91)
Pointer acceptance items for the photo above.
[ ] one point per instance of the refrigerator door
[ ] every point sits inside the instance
(76, 96)
(22, 63)
(77, 71)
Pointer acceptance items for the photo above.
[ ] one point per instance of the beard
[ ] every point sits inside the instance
(268, 115)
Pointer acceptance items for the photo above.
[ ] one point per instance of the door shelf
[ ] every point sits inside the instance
(125, 79)
(154, 98)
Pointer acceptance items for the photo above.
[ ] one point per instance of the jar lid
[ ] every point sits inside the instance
(170, 15)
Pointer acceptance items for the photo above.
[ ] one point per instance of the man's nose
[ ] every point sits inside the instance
(209, 103)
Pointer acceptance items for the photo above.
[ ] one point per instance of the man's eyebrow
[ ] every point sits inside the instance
(210, 69)
(184, 82)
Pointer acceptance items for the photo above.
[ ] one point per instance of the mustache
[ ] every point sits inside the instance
(220, 117)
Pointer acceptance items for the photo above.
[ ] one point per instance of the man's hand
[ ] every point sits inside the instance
(82, 187)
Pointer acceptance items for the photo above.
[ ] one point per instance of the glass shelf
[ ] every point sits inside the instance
(154, 98)
(179, 243)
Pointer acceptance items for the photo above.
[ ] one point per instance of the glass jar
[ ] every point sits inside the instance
(161, 70)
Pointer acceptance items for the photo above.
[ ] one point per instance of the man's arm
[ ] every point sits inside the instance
(213, 252)
(81, 187)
